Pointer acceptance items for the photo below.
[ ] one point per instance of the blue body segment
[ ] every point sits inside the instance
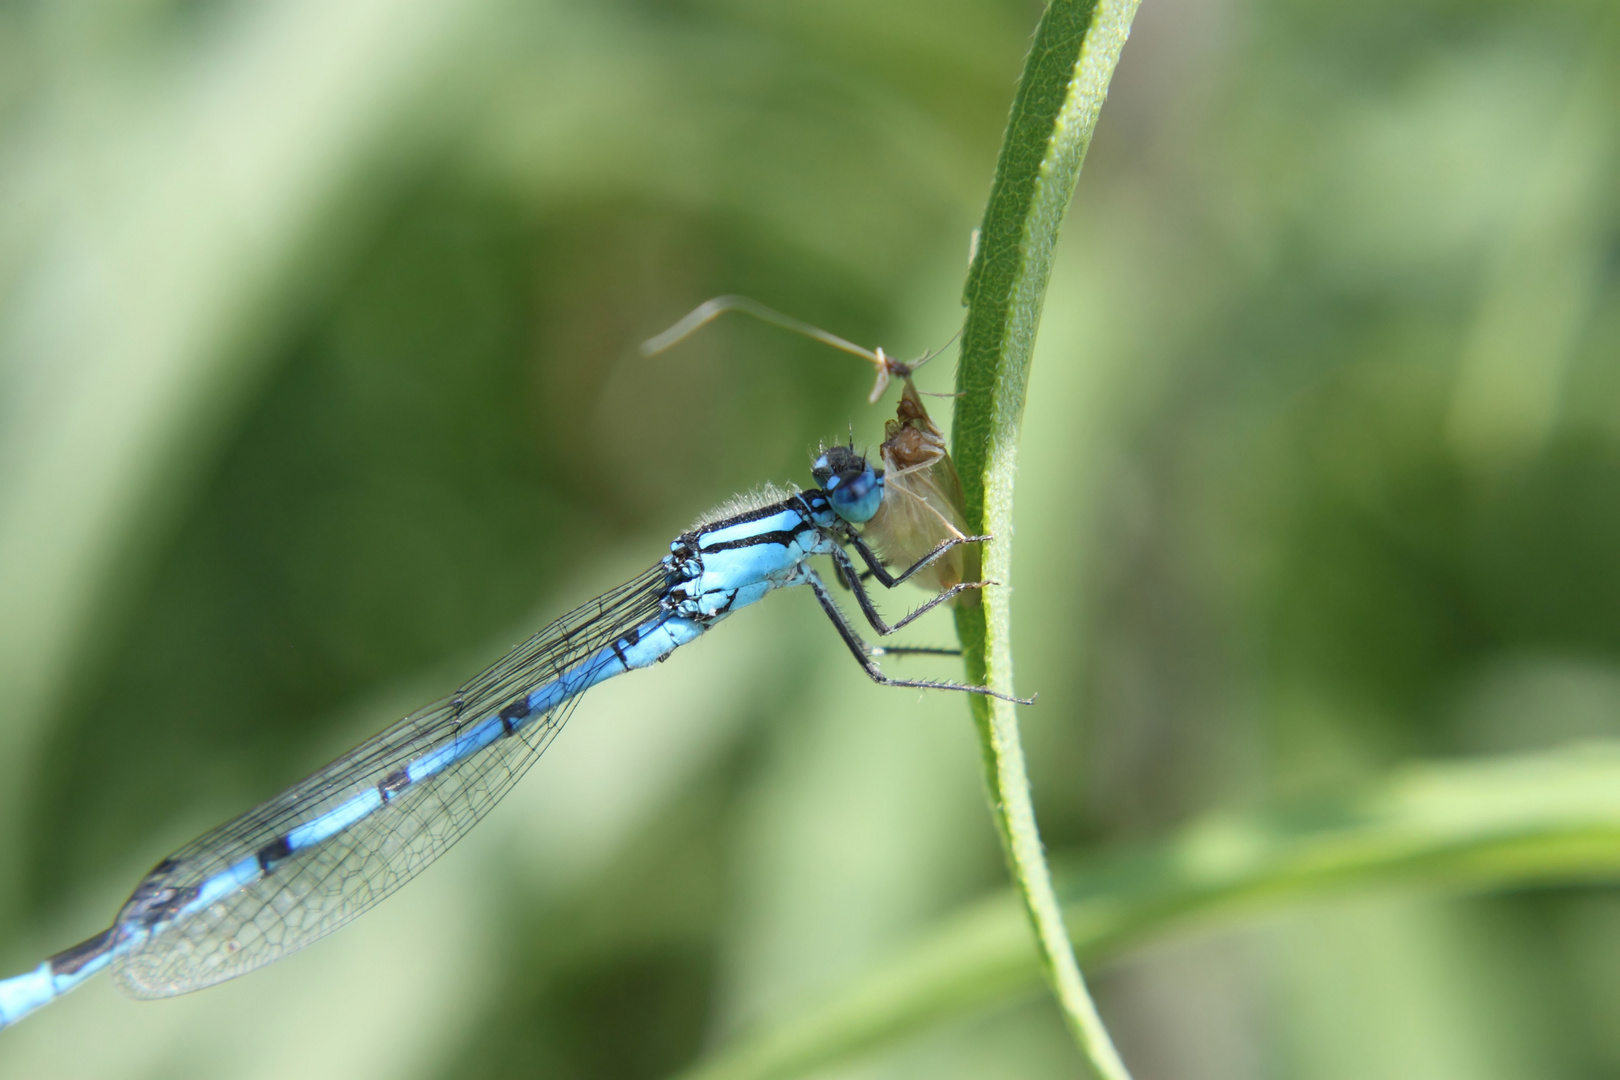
(304, 863)
(335, 821)
(227, 882)
(783, 521)
(22, 994)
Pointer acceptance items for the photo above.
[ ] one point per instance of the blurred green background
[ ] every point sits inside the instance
(318, 389)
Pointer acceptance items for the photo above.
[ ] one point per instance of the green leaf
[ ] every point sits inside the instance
(1054, 113)
(1504, 824)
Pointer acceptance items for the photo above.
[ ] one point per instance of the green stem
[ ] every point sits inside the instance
(1536, 819)
(1054, 113)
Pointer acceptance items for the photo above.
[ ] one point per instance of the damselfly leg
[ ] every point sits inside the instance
(863, 652)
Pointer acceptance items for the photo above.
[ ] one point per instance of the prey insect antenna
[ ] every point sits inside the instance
(887, 366)
(710, 310)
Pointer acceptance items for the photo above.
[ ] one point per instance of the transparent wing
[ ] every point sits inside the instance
(922, 503)
(318, 889)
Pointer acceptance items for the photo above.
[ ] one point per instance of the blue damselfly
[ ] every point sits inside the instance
(307, 861)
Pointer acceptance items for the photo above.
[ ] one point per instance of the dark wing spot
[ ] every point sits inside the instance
(273, 852)
(157, 905)
(394, 783)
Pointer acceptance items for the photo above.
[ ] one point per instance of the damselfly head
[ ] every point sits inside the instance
(853, 487)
